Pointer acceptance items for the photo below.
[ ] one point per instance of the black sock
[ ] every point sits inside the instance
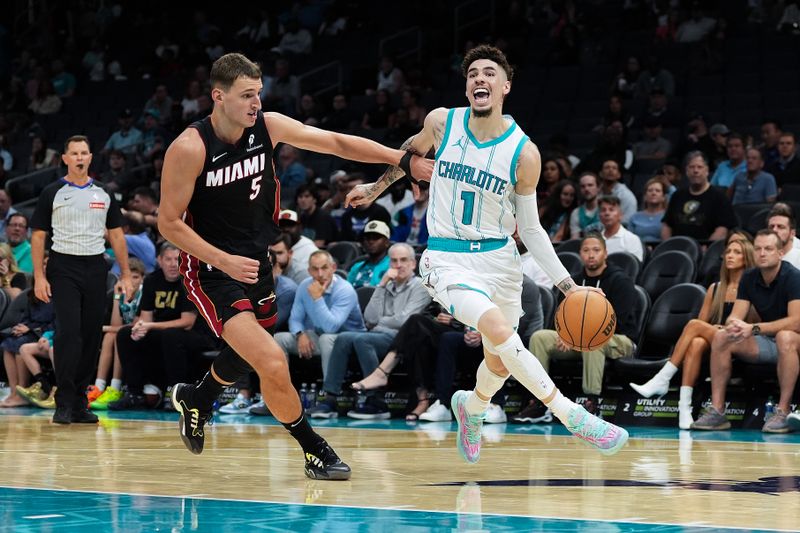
(207, 391)
(301, 430)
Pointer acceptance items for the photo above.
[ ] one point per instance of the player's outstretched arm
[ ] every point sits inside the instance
(183, 162)
(421, 143)
(529, 226)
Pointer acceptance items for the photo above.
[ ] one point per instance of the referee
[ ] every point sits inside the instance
(76, 211)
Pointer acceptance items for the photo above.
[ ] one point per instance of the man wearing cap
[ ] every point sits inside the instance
(355, 219)
(127, 139)
(719, 134)
(727, 170)
(375, 242)
(301, 247)
(653, 146)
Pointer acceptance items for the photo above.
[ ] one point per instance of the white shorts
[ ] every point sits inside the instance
(494, 278)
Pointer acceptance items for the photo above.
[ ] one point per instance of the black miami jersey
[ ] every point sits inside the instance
(236, 197)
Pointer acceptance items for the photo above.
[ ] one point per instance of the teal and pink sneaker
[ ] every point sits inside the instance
(595, 431)
(469, 428)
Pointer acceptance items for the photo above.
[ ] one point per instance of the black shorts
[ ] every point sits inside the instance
(219, 298)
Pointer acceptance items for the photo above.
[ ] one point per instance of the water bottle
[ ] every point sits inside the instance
(312, 396)
(304, 395)
(769, 409)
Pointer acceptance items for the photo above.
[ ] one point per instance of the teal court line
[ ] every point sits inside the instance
(59, 511)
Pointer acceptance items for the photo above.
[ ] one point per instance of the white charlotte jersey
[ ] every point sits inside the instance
(472, 188)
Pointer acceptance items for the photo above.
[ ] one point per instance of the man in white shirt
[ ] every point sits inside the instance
(782, 222)
(611, 173)
(618, 239)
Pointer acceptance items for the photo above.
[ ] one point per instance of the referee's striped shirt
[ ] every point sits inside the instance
(76, 216)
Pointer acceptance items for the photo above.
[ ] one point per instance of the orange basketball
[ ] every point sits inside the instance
(585, 320)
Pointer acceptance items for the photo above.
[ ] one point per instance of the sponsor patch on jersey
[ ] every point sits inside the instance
(97, 205)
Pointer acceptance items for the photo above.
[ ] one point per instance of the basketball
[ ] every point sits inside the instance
(585, 320)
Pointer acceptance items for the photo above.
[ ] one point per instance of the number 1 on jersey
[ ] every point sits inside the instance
(469, 205)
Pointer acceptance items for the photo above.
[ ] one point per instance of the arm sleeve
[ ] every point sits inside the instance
(536, 240)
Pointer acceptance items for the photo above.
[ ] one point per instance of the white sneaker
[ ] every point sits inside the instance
(793, 419)
(240, 405)
(436, 413)
(495, 415)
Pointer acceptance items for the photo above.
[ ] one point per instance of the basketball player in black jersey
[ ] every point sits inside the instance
(219, 204)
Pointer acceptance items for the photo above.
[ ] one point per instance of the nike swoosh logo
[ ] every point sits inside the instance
(213, 159)
(67, 198)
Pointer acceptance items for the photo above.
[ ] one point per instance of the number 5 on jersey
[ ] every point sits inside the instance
(255, 186)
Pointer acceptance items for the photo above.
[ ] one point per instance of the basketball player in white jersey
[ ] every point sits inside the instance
(483, 187)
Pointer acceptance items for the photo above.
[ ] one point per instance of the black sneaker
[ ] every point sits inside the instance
(373, 409)
(84, 416)
(535, 413)
(192, 419)
(129, 401)
(325, 464)
(63, 415)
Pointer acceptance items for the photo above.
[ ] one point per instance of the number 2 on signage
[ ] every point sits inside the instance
(255, 186)
(469, 205)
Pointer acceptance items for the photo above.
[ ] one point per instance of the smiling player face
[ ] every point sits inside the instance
(487, 85)
(240, 103)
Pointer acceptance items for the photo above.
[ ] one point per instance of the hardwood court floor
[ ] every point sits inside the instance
(528, 478)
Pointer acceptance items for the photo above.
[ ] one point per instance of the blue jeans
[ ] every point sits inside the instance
(369, 347)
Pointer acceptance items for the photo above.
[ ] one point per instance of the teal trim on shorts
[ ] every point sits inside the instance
(514, 159)
(443, 244)
(442, 146)
(465, 286)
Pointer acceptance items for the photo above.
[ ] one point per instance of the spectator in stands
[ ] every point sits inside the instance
(646, 224)
(653, 146)
(37, 318)
(46, 101)
(295, 40)
(611, 145)
(324, 306)
(698, 334)
(719, 134)
(64, 83)
(411, 223)
(285, 291)
(696, 28)
(308, 110)
(154, 137)
(375, 241)
(6, 210)
(123, 313)
(42, 156)
(736, 163)
(398, 295)
(143, 208)
(340, 117)
(655, 76)
(658, 108)
(396, 197)
(167, 334)
(672, 173)
(611, 173)
(116, 178)
(586, 217)
(318, 225)
(6, 158)
(786, 168)
(128, 139)
(354, 220)
(616, 237)
(302, 247)
(283, 255)
(698, 137)
(771, 132)
(753, 186)
(625, 82)
(781, 220)
(12, 279)
(390, 77)
(381, 114)
(204, 107)
(161, 102)
(699, 210)
(617, 111)
(17, 238)
(552, 173)
(556, 210)
(415, 112)
(281, 91)
(619, 289)
(139, 243)
(773, 290)
(291, 170)
(190, 103)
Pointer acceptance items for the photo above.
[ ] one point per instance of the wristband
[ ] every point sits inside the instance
(405, 166)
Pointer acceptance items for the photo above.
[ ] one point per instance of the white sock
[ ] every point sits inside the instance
(667, 371)
(561, 406)
(116, 384)
(100, 384)
(686, 395)
(487, 383)
(525, 367)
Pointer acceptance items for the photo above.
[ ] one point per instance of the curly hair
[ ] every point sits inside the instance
(489, 52)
